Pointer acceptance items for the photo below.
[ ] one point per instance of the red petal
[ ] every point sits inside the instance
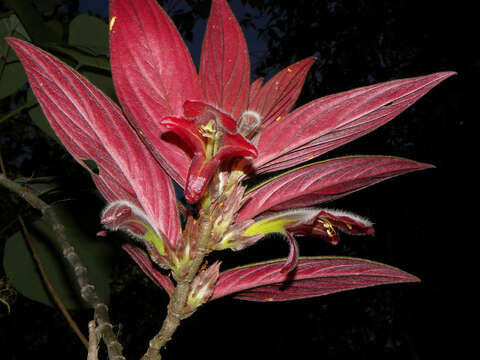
(144, 262)
(235, 145)
(277, 97)
(329, 122)
(188, 132)
(201, 171)
(225, 65)
(153, 74)
(324, 181)
(199, 175)
(203, 113)
(92, 127)
(313, 276)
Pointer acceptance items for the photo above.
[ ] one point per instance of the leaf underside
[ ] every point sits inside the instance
(313, 276)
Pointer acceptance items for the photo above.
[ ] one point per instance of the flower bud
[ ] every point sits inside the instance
(249, 123)
(202, 286)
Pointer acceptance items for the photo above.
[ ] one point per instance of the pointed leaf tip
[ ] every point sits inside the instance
(329, 122)
(84, 119)
(149, 85)
(323, 181)
(277, 97)
(225, 64)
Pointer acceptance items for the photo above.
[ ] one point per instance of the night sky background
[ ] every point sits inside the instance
(424, 221)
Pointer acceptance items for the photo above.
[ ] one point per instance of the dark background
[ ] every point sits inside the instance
(424, 221)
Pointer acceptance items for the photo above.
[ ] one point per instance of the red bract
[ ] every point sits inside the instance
(209, 131)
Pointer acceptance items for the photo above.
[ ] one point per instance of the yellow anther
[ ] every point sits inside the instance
(349, 226)
(278, 118)
(289, 70)
(112, 21)
(329, 227)
(209, 130)
(268, 299)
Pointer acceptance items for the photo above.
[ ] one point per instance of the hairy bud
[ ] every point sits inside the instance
(203, 285)
(249, 123)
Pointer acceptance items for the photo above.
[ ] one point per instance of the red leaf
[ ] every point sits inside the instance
(225, 65)
(328, 122)
(255, 87)
(92, 127)
(323, 181)
(277, 97)
(313, 276)
(153, 74)
(144, 262)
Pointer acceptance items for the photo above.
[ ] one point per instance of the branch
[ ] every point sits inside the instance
(87, 290)
(93, 339)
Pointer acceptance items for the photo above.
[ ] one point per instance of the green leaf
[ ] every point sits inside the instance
(19, 109)
(87, 43)
(90, 34)
(12, 75)
(33, 22)
(82, 56)
(97, 254)
(46, 7)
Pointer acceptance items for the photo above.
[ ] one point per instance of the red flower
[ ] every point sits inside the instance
(210, 136)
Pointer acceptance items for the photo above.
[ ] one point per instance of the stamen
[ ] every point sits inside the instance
(209, 130)
(331, 232)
